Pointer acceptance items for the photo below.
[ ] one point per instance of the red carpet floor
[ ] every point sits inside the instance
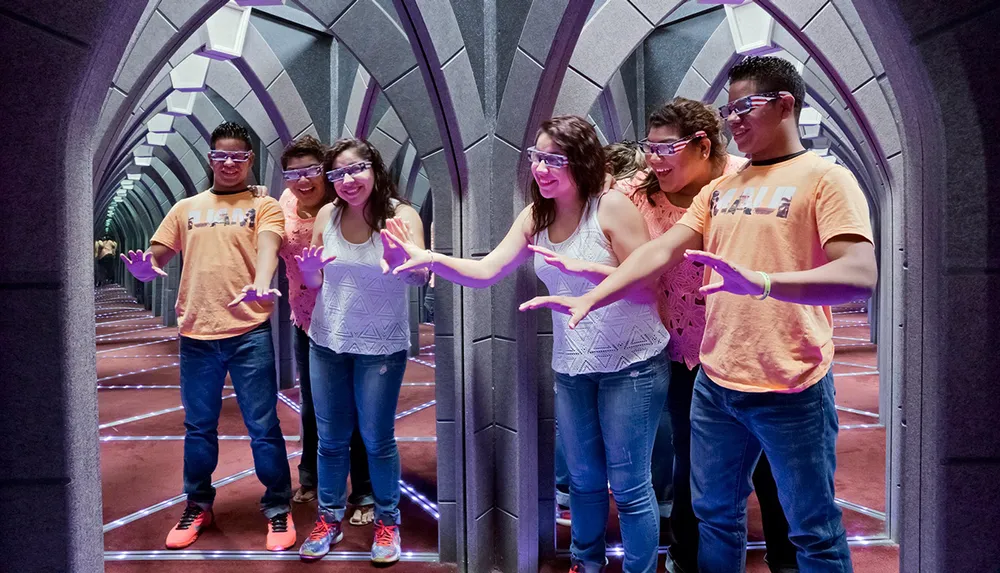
(141, 451)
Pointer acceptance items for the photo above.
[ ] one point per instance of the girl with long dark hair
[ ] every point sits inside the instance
(611, 374)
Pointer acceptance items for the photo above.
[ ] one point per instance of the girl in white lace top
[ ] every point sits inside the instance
(359, 337)
(611, 373)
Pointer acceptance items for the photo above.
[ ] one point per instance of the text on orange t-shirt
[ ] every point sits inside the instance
(217, 236)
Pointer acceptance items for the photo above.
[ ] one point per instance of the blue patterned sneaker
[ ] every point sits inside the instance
(386, 548)
(323, 535)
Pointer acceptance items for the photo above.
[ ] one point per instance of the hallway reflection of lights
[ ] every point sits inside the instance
(852, 540)
(149, 415)
(222, 555)
(180, 498)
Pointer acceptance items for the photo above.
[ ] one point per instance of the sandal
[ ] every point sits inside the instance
(363, 515)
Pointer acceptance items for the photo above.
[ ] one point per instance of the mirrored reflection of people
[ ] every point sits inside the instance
(306, 193)
(775, 268)
(105, 250)
(359, 339)
(229, 238)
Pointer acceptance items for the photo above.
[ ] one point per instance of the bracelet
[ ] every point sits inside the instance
(767, 286)
(430, 266)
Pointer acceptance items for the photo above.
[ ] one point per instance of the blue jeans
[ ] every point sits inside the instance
(357, 390)
(607, 423)
(662, 465)
(249, 360)
(361, 483)
(798, 432)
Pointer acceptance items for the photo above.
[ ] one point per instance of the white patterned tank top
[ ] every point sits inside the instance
(359, 310)
(609, 338)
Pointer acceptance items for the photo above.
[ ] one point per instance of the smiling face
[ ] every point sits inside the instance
(356, 189)
(230, 174)
(310, 191)
(756, 130)
(552, 182)
(675, 172)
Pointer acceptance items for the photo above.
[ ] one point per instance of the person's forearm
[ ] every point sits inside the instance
(836, 282)
(466, 272)
(596, 273)
(636, 273)
(267, 264)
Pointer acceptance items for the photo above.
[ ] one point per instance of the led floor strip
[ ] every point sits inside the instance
(142, 371)
(150, 415)
(858, 412)
(142, 356)
(416, 409)
(860, 508)
(181, 438)
(419, 361)
(157, 341)
(180, 498)
(424, 503)
(870, 373)
(144, 317)
(231, 555)
(418, 384)
(855, 364)
(860, 426)
(104, 337)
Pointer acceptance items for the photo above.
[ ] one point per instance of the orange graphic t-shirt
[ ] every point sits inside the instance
(773, 218)
(217, 236)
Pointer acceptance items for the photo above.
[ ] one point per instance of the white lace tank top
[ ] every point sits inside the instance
(609, 338)
(358, 309)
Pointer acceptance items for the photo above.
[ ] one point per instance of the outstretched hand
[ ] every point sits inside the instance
(311, 260)
(253, 294)
(142, 266)
(576, 307)
(565, 264)
(735, 279)
(393, 251)
(416, 258)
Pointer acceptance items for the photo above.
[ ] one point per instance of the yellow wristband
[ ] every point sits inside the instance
(767, 286)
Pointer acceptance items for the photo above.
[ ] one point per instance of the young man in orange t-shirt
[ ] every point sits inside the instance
(783, 239)
(230, 241)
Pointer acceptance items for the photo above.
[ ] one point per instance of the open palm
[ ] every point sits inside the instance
(142, 266)
(735, 279)
(312, 260)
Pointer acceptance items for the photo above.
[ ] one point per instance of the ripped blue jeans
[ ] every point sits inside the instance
(348, 390)
(607, 422)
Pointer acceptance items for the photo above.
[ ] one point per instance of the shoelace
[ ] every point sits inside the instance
(384, 534)
(575, 569)
(191, 513)
(279, 523)
(320, 531)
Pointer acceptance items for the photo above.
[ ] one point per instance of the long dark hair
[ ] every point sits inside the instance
(379, 206)
(578, 141)
(689, 117)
